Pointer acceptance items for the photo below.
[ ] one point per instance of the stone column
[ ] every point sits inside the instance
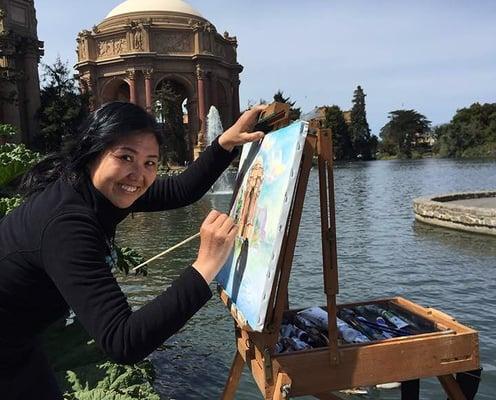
(148, 89)
(214, 90)
(235, 110)
(131, 76)
(202, 112)
(33, 51)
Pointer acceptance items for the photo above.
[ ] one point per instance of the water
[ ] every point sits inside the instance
(224, 184)
(382, 252)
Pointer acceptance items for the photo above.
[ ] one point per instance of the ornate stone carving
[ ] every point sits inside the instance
(3, 30)
(112, 47)
(201, 26)
(200, 73)
(81, 49)
(147, 73)
(131, 74)
(165, 42)
(138, 39)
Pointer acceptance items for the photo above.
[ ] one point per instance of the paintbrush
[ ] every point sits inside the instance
(275, 116)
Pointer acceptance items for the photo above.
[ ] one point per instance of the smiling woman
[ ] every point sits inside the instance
(56, 249)
(125, 171)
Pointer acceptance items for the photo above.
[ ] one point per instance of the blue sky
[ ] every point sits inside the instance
(432, 56)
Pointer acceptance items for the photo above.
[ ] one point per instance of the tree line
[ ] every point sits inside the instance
(351, 138)
(470, 133)
(407, 134)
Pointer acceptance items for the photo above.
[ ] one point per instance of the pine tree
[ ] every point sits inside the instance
(294, 112)
(341, 142)
(63, 107)
(168, 111)
(359, 130)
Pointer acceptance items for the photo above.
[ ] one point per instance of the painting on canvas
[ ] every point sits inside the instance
(261, 202)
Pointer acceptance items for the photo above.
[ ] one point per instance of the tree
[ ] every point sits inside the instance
(63, 107)
(470, 133)
(341, 142)
(168, 111)
(363, 143)
(294, 112)
(406, 131)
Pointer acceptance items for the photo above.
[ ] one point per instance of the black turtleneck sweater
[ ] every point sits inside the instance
(52, 257)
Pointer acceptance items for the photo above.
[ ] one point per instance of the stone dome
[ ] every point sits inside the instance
(139, 6)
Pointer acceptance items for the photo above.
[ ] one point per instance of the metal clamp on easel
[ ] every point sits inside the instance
(275, 116)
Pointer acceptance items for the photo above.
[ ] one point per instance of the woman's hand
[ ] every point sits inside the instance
(217, 235)
(240, 133)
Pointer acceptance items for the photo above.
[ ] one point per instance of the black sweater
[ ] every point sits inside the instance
(52, 257)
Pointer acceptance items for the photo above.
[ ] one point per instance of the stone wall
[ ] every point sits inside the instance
(439, 211)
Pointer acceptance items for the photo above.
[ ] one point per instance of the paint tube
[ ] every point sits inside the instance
(290, 330)
(349, 334)
(316, 316)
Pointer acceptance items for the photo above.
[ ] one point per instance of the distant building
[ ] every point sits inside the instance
(143, 45)
(20, 52)
(347, 117)
(318, 114)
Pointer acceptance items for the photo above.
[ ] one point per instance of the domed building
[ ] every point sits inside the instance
(143, 46)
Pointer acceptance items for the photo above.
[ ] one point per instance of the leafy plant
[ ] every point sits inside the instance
(15, 159)
(119, 382)
(7, 204)
(85, 373)
(128, 258)
(7, 132)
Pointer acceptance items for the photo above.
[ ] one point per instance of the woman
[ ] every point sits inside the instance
(56, 248)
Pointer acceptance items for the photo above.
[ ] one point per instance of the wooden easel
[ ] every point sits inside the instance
(318, 372)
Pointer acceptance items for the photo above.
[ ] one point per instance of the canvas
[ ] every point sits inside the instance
(261, 201)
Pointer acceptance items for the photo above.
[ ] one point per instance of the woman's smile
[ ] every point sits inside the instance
(126, 169)
(129, 188)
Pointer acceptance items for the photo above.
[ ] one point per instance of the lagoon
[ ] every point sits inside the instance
(382, 252)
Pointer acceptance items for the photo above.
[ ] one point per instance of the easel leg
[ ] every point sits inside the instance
(469, 382)
(410, 390)
(234, 377)
(283, 387)
(451, 387)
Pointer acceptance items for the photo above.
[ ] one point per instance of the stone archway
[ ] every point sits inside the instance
(115, 89)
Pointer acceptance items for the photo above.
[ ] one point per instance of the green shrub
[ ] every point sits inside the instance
(15, 160)
(7, 132)
(7, 204)
(85, 373)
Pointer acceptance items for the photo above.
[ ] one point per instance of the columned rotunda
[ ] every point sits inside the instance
(143, 45)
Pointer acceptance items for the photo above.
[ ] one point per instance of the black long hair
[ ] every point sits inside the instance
(102, 128)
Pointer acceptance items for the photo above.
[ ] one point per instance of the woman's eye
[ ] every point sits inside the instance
(126, 157)
(151, 163)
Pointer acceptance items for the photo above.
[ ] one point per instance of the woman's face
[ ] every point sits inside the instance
(125, 170)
